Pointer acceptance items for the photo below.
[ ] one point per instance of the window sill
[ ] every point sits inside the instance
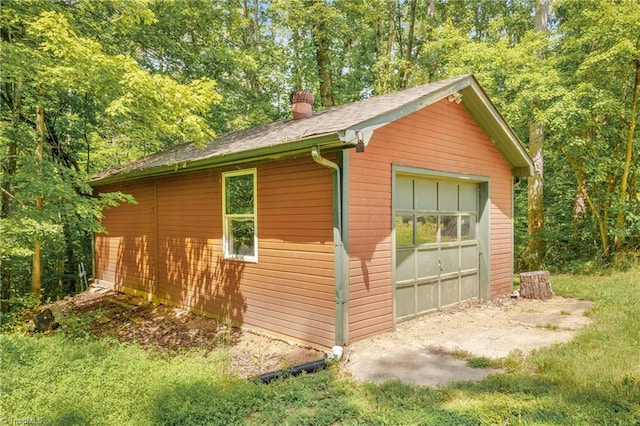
(244, 259)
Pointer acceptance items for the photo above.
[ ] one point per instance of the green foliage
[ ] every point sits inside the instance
(482, 362)
(93, 382)
(206, 402)
(100, 109)
(118, 80)
(591, 120)
(23, 307)
(76, 326)
(593, 379)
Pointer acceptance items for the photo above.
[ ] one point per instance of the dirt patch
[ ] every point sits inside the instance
(427, 350)
(171, 330)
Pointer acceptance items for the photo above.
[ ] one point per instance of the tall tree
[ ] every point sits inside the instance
(91, 99)
(408, 56)
(316, 29)
(322, 46)
(535, 187)
(36, 274)
(594, 121)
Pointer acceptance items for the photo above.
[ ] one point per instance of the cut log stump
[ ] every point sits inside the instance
(535, 285)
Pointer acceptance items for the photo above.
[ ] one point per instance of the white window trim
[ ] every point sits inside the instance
(226, 217)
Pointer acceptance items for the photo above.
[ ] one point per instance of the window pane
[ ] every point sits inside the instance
(468, 228)
(426, 195)
(447, 196)
(448, 228)
(427, 229)
(241, 240)
(469, 197)
(239, 194)
(404, 229)
(404, 193)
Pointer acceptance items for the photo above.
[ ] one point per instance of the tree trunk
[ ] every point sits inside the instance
(535, 187)
(409, 51)
(536, 245)
(602, 219)
(297, 71)
(70, 266)
(323, 60)
(431, 9)
(631, 128)
(542, 16)
(384, 43)
(386, 87)
(252, 39)
(13, 92)
(36, 273)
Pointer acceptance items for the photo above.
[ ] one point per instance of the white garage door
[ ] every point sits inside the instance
(436, 244)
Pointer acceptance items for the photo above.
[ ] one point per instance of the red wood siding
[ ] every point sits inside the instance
(441, 137)
(288, 292)
(127, 254)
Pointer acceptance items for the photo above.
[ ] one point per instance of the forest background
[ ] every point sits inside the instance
(87, 85)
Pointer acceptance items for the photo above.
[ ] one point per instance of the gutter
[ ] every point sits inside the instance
(339, 252)
(136, 170)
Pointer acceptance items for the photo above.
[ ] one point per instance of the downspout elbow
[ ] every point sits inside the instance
(315, 153)
(318, 158)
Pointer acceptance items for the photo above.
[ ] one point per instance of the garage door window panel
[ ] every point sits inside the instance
(426, 195)
(427, 268)
(405, 230)
(467, 227)
(448, 229)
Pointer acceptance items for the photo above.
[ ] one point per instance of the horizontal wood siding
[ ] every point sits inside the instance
(126, 255)
(190, 240)
(289, 292)
(441, 137)
(294, 284)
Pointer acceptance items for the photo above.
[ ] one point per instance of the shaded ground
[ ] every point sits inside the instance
(171, 330)
(426, 351)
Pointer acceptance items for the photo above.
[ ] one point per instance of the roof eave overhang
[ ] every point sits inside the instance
(326, 142)
(485, 113)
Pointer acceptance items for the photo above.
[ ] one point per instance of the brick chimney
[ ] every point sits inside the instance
(301, 103)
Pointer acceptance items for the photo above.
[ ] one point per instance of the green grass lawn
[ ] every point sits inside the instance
(593, 380)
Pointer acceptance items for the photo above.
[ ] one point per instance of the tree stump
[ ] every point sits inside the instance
(535, 285)
(44, 321)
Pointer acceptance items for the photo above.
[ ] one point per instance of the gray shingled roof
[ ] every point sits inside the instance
(334, 126)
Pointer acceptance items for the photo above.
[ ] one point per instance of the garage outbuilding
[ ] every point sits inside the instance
(328, 228)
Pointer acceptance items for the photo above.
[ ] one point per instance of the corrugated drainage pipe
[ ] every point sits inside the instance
(310, 367)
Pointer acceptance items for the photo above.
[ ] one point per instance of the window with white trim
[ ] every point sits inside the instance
(239, 238)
